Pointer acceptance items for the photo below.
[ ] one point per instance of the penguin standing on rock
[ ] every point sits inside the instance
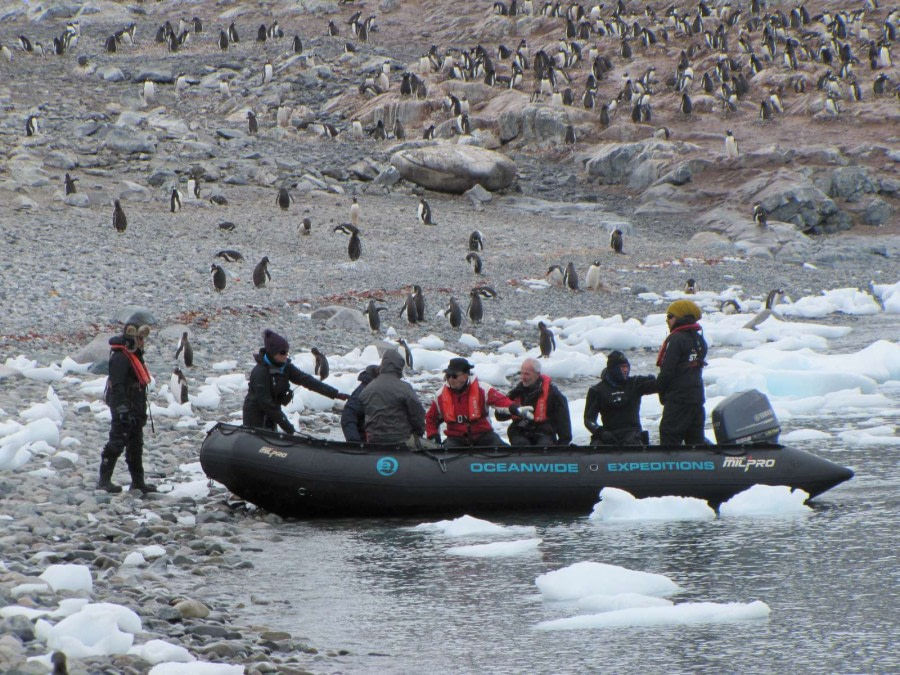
(70, 185)
(616, 243)
(252, 123)
(223, 40)
(283, 199)
(476, 241)
(261, 275)
(731, 145)
(373, 312)
(570, 277)
(419, 301)
(185, 349)
(120, 222)
(409, 308)
(321, 369)
(424, 212)
(219, 278)
(31, 125)
(453, 313)
(759, 215)
(546, 340)
(178, 386)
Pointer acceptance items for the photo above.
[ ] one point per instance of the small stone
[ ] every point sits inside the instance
(192, 609)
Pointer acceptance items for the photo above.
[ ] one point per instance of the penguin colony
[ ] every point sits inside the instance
(844, 55)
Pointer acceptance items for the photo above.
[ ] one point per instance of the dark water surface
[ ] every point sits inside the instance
(400, 604)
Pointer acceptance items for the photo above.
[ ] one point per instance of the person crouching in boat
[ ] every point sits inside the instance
(270, 385)
(617, 399)
(462, 404)
(394, 413)
(353, 416)
(681, 360)
(551, 424)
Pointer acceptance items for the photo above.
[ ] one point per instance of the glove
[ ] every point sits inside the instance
(592, 426)
(288, 427)
(526, 412)
(342, 397)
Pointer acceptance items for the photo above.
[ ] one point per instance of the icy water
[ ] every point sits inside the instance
(399, 603)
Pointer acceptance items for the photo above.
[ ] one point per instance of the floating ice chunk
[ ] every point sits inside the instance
(431, 342)
(890, 296)
(159, 651)
(844, 300)
(196, 668)
(687, 613)
(880, 435)
(611, 603)
(766, 500)
(592, 578)
(497, 549)
(617, 505)
(468, 526)
(68, 577)
(804, 435)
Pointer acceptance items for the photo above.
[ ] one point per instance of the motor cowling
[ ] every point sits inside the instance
(745, 417)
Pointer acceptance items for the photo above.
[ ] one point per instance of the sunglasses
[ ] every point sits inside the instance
(452, 376)
(670, 316)
(283, 352)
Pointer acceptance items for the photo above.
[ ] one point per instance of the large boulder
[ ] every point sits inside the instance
(455, 168)
(616, 163)
(791, 198)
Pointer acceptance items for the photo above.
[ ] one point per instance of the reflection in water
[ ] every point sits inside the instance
(399, 603)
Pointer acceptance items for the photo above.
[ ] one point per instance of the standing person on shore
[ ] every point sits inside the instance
(681, 360)
(270, 385)
(353, 416)
(551, 424)
(126, 396)
(394, 413)
(617, 399)
(462, 404)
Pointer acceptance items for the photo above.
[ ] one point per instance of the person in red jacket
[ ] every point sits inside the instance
(462, 404)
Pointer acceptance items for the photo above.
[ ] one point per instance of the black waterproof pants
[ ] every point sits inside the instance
(682, 423)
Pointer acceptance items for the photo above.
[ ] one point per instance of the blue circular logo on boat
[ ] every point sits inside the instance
(387, 466)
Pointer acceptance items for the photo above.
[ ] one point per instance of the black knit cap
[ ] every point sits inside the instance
(274, 343)
(615, 358)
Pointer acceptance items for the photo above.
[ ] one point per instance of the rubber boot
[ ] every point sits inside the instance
(107, 465)
(137, 480)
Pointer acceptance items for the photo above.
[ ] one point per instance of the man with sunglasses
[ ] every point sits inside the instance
(681, 360)
(270, 385)
(462, 404)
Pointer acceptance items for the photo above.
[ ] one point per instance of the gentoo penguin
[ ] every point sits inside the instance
(268, 72)
(831, 106)
(224, 88)
(419, 300)
(120, 222)
(373, 313)
(185, 349)
(453, 313)
(218, 276)
(111, 45)
(592, 280)
(333, 29)
(174, 200)
(321, 369)
(616, 243)
(476, 241)
(774, 297)
(570, 277)
(546, 340)
(70, 185)
(356, 129)
(424, 212)
(759, 215)
(193, 187)
(570, 135)
(219, 200)
(58, 660)
(428, 134)
(225, 225)
(329, 130)
(261, 34)
(354, 246)
(399, 131)
(475, 311)
(730, 307)
(229, 255)
(7, 54)
(475, 261)
(198, 24)
(407, 353)
(232, 33)
(879, 86)
(261, 274)
(181, 84)
(555, 275)
(149, 90)
(25, 44)
(252, 124)
(463, 125)
(306, 226)
(731, 145)
(409, 308)
(297, 45)
(384, 81)
(378, 133)
(31, 125)
(687, 106)
(354, 213)
(223, 40)
(284, 199)
(691, 287)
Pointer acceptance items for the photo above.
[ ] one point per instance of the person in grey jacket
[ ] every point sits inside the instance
(393, 411)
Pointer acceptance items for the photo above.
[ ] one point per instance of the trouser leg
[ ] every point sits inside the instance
(517, 437)
(694, 435)
(134, 457)
(118, 435)
(682, 423)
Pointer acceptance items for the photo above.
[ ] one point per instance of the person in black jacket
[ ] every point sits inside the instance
(617, 399)
(270, 385)
(353, 417)
(550, 424)
(681, 360)
(126, 396)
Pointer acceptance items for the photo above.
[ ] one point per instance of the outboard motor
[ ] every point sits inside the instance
(745, 417)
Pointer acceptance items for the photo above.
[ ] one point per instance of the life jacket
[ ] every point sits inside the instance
(540, 406)
(473, 406)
